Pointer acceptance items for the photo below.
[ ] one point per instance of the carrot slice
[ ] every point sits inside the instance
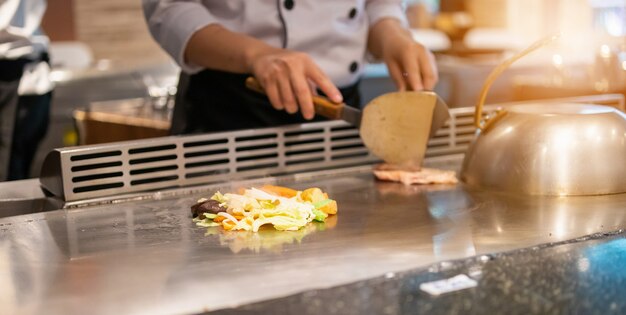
(220, 218)
(280, 191)
(228, 225)
(330, 208)
(313, 195)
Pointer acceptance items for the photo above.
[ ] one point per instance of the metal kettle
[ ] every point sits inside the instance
(550, 149)
(547, 149)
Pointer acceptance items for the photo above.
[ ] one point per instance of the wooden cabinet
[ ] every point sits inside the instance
(120, 121)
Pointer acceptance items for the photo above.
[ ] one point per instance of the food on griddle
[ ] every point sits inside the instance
(320, 200)
(422, 176)
(284, 208)
(280, 191)
(206, 206)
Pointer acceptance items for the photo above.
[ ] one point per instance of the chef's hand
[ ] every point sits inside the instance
(290, 78)
(411, 65)
(285, 75)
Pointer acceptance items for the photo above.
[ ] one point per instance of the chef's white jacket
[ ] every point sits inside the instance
(21, 37)
(332, 32)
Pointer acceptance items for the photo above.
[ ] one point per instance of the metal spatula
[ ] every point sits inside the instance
(394, 126)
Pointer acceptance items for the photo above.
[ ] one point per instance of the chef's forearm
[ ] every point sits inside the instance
(192, 35)
(410, 64)
(217, 48)
(384, 30)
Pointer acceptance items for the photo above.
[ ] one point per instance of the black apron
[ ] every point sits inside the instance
(214, 101)
(23, 120)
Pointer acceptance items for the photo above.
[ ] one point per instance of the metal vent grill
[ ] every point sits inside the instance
(86, 172)
(160, 163)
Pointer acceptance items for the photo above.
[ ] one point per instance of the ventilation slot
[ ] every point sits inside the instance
(153, 169)
(303, 161)
(289, 144)
(438, 143)
(314, 154)
(255, 152)
(152, 149)
(303, 132)
(152, 159)
(306, 151)
(88, 167)
(348, 146)
(207, 173)
(214, 163)
(206, 163)
(98, 155)
(347, 137)
(257, 147)
(250, 160)
(97, 187)
(256, 137)
(342, 128)
(204, 143)
(156, 168)
(257, 157)
(153, 180)
(85, 178)
(206, 153)
(349, 150)
(351, 155)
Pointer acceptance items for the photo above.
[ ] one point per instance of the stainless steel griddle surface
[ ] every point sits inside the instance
(147, 257)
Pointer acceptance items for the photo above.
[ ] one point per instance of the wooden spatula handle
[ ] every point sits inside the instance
(322, 105)
(327, 108)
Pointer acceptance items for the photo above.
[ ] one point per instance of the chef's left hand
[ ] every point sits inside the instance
(411, 65)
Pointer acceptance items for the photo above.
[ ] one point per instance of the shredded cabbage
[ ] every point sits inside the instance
(254, 208)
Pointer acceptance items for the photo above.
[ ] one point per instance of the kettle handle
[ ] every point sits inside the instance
(478, 122)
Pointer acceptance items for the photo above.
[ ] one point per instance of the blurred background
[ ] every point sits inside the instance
(114, 83)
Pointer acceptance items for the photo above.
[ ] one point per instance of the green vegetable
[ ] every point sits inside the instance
(210, 215)
(322, 203)
(320, 216)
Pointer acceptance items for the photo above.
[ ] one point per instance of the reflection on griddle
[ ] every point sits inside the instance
(267, 239)
(391, 188)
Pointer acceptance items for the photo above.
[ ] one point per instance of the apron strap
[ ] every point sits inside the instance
(8, 112)
(179, 117)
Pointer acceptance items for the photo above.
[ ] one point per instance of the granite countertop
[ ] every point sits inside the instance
(581, 276)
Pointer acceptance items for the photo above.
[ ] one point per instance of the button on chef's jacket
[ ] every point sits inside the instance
(332, 32)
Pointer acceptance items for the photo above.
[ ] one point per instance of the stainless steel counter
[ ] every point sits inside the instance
(147, 257)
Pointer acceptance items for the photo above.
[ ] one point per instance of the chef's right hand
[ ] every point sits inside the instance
(290, 78)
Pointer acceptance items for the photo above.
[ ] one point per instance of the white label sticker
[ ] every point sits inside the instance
(455, 283)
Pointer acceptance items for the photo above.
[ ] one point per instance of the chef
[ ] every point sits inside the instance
(25, 85)
(295, 49)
